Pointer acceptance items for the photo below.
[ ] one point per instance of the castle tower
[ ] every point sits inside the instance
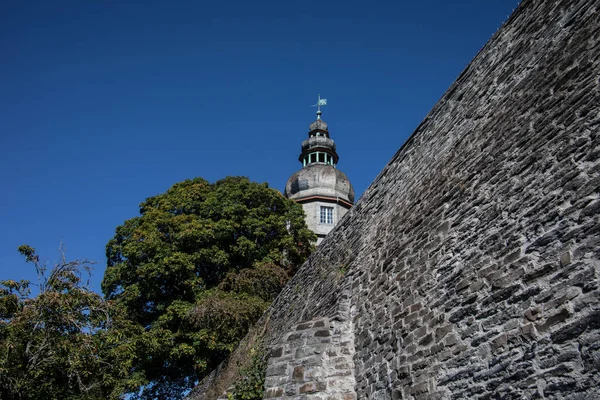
(324, 191)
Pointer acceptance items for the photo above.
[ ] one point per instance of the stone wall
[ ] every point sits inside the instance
(469, 268)
(318, 357)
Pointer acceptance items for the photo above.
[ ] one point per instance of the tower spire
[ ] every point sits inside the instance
(320, 102)
(324, 191)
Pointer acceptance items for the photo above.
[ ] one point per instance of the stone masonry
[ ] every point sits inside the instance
(317, 355)
(470, 267)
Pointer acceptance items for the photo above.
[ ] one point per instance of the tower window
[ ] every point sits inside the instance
(321, 157)
(326, 215)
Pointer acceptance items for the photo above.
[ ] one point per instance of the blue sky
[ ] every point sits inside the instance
(105, 103)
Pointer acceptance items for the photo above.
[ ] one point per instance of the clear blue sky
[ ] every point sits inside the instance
(105, 103)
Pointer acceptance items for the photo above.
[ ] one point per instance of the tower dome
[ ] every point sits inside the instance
(319, 180)
(324, 191)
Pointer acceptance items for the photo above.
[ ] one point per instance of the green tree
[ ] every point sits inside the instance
(56, 345)
(196, 269)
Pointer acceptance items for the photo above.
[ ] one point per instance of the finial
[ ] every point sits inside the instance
(320, 102)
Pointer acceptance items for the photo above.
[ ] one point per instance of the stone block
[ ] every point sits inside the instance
(320, 324)
(294, 336)
(426, 340)
(272, 393)
(498, 343)
(419, 389)
(298, 374)
(276, 352)
(304, 351)
(442, 331)
(310, 387)
(277, 369)
(552, 320)
(534, 313)
(565, 258)
(303, 326)
(577, 327)
(451, 340)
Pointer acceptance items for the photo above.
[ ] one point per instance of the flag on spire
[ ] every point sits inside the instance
(320, 102)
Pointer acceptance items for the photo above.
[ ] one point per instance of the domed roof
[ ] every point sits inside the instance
(318, 124)
(319, 180)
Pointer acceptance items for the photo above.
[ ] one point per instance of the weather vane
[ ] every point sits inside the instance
(320, 102)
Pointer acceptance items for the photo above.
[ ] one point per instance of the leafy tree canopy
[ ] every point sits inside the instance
(57, 345)
(196, 269)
